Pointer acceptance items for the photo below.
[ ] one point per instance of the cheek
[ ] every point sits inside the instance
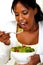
(30, 17)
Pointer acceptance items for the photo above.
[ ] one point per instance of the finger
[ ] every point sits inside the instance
(7, 42)
(34, 56)
(1, 33)
(4, 36)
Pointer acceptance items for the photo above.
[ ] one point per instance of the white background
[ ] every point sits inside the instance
(5, 11)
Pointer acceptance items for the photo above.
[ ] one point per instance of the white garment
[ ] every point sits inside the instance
(14, 42)
(40, 46)
(40, 42)
(5, 49)
(4, 53)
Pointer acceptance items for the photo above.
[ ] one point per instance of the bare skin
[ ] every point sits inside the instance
(29, 36)
(4, 37)
(25, 19)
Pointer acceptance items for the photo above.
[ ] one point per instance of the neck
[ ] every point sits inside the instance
(34, 28)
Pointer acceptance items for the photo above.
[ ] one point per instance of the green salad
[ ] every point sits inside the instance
(22, 49)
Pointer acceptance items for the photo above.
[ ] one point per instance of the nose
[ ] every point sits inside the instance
(20, 18)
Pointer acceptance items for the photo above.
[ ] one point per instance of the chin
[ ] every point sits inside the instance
(26, 29)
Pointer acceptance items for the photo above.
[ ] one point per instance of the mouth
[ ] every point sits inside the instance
(23, 24)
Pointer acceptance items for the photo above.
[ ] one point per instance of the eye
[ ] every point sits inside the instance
(16, 14)
(25, 12)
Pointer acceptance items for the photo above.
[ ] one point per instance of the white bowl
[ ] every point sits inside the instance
(22, 58)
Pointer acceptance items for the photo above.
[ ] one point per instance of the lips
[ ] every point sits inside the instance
(23, 24)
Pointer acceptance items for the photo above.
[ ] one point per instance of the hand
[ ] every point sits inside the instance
(4, 37)
(34, 60)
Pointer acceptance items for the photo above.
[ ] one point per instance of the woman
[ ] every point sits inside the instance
(29, 19)
(29, 22)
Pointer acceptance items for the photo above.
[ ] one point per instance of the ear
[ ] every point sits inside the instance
(35, 11)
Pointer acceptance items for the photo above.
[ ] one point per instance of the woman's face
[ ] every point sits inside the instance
(25, 17)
